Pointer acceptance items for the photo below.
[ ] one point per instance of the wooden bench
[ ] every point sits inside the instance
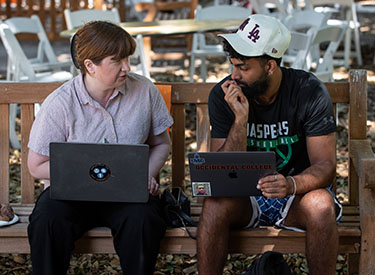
(357, 235)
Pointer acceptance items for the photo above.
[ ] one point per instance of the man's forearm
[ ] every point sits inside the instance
(319, 175)
(236, 140)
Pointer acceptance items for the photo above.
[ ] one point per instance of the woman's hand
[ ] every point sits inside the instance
(153, 186)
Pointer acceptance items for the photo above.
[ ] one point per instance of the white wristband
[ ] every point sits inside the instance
(294, 185)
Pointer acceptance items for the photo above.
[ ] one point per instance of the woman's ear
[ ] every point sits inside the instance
(90, 66)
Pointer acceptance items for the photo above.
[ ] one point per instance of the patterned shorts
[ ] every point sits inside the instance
(272, 212)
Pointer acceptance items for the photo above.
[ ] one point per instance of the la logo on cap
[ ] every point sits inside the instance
(254, 33)
(259, 35)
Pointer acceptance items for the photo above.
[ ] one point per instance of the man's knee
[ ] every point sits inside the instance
(319, 208)
(226, 211)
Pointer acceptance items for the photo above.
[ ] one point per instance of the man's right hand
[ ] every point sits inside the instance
(236, 101)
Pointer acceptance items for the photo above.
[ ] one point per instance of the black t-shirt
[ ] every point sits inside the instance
(302, 108)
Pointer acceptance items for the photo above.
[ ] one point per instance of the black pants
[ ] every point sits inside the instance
(55, 225)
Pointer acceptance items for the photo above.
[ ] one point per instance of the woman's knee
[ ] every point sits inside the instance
(146, 217)
(54, 218)
(43, 215)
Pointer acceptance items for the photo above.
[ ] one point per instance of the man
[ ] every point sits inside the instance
(262, 106)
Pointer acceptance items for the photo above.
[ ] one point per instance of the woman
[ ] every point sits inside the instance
(104, 102)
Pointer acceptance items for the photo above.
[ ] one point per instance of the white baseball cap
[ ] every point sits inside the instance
(258, 35)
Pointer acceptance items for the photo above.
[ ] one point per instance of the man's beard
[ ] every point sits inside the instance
(256, 89)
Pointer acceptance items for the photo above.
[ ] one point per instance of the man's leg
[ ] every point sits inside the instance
(54, 226)
(218, 216)
(137, 229)
(315, 212)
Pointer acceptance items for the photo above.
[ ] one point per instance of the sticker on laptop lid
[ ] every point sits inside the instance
(201, 189)
(196, 160)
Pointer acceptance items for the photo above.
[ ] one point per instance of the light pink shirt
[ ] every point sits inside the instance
(133, 113)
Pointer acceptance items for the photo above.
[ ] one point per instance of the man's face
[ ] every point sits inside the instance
(200, 189)
(251, 76)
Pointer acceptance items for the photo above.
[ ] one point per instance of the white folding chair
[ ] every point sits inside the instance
(333, 35)
(22, 70)
(45, 58)
(75, 19)
(348, 9)
(305, 19)
(300, 44)
(302, 21)
(276, 8)
(303, 43)
(200, 49)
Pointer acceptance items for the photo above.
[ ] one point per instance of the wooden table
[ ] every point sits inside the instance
(172, 27)
(169, 27)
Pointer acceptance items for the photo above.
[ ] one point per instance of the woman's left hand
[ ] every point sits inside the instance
(153, 186)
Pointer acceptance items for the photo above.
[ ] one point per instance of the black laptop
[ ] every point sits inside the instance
(99, 172)
(229, 174)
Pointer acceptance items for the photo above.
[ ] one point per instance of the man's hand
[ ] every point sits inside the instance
(236, 100)
(153, 186)
(275, 186)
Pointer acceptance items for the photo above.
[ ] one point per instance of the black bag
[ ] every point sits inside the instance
(270, 263)
(176, 209)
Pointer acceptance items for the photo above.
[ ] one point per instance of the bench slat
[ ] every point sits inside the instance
(26, 92)
(20, 230)
(178, 145)
(27, 182)
(181, 92)
(357, 124)
(14, 240)
(339, 91)
(358, 105)
(191, 93)
(4, 157)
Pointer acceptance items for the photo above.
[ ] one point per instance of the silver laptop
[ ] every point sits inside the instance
(99, 172)
(229, 174)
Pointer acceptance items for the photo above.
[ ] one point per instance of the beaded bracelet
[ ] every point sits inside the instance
(294, 184)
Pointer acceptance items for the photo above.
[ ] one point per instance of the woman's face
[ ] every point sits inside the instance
(110, 72)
